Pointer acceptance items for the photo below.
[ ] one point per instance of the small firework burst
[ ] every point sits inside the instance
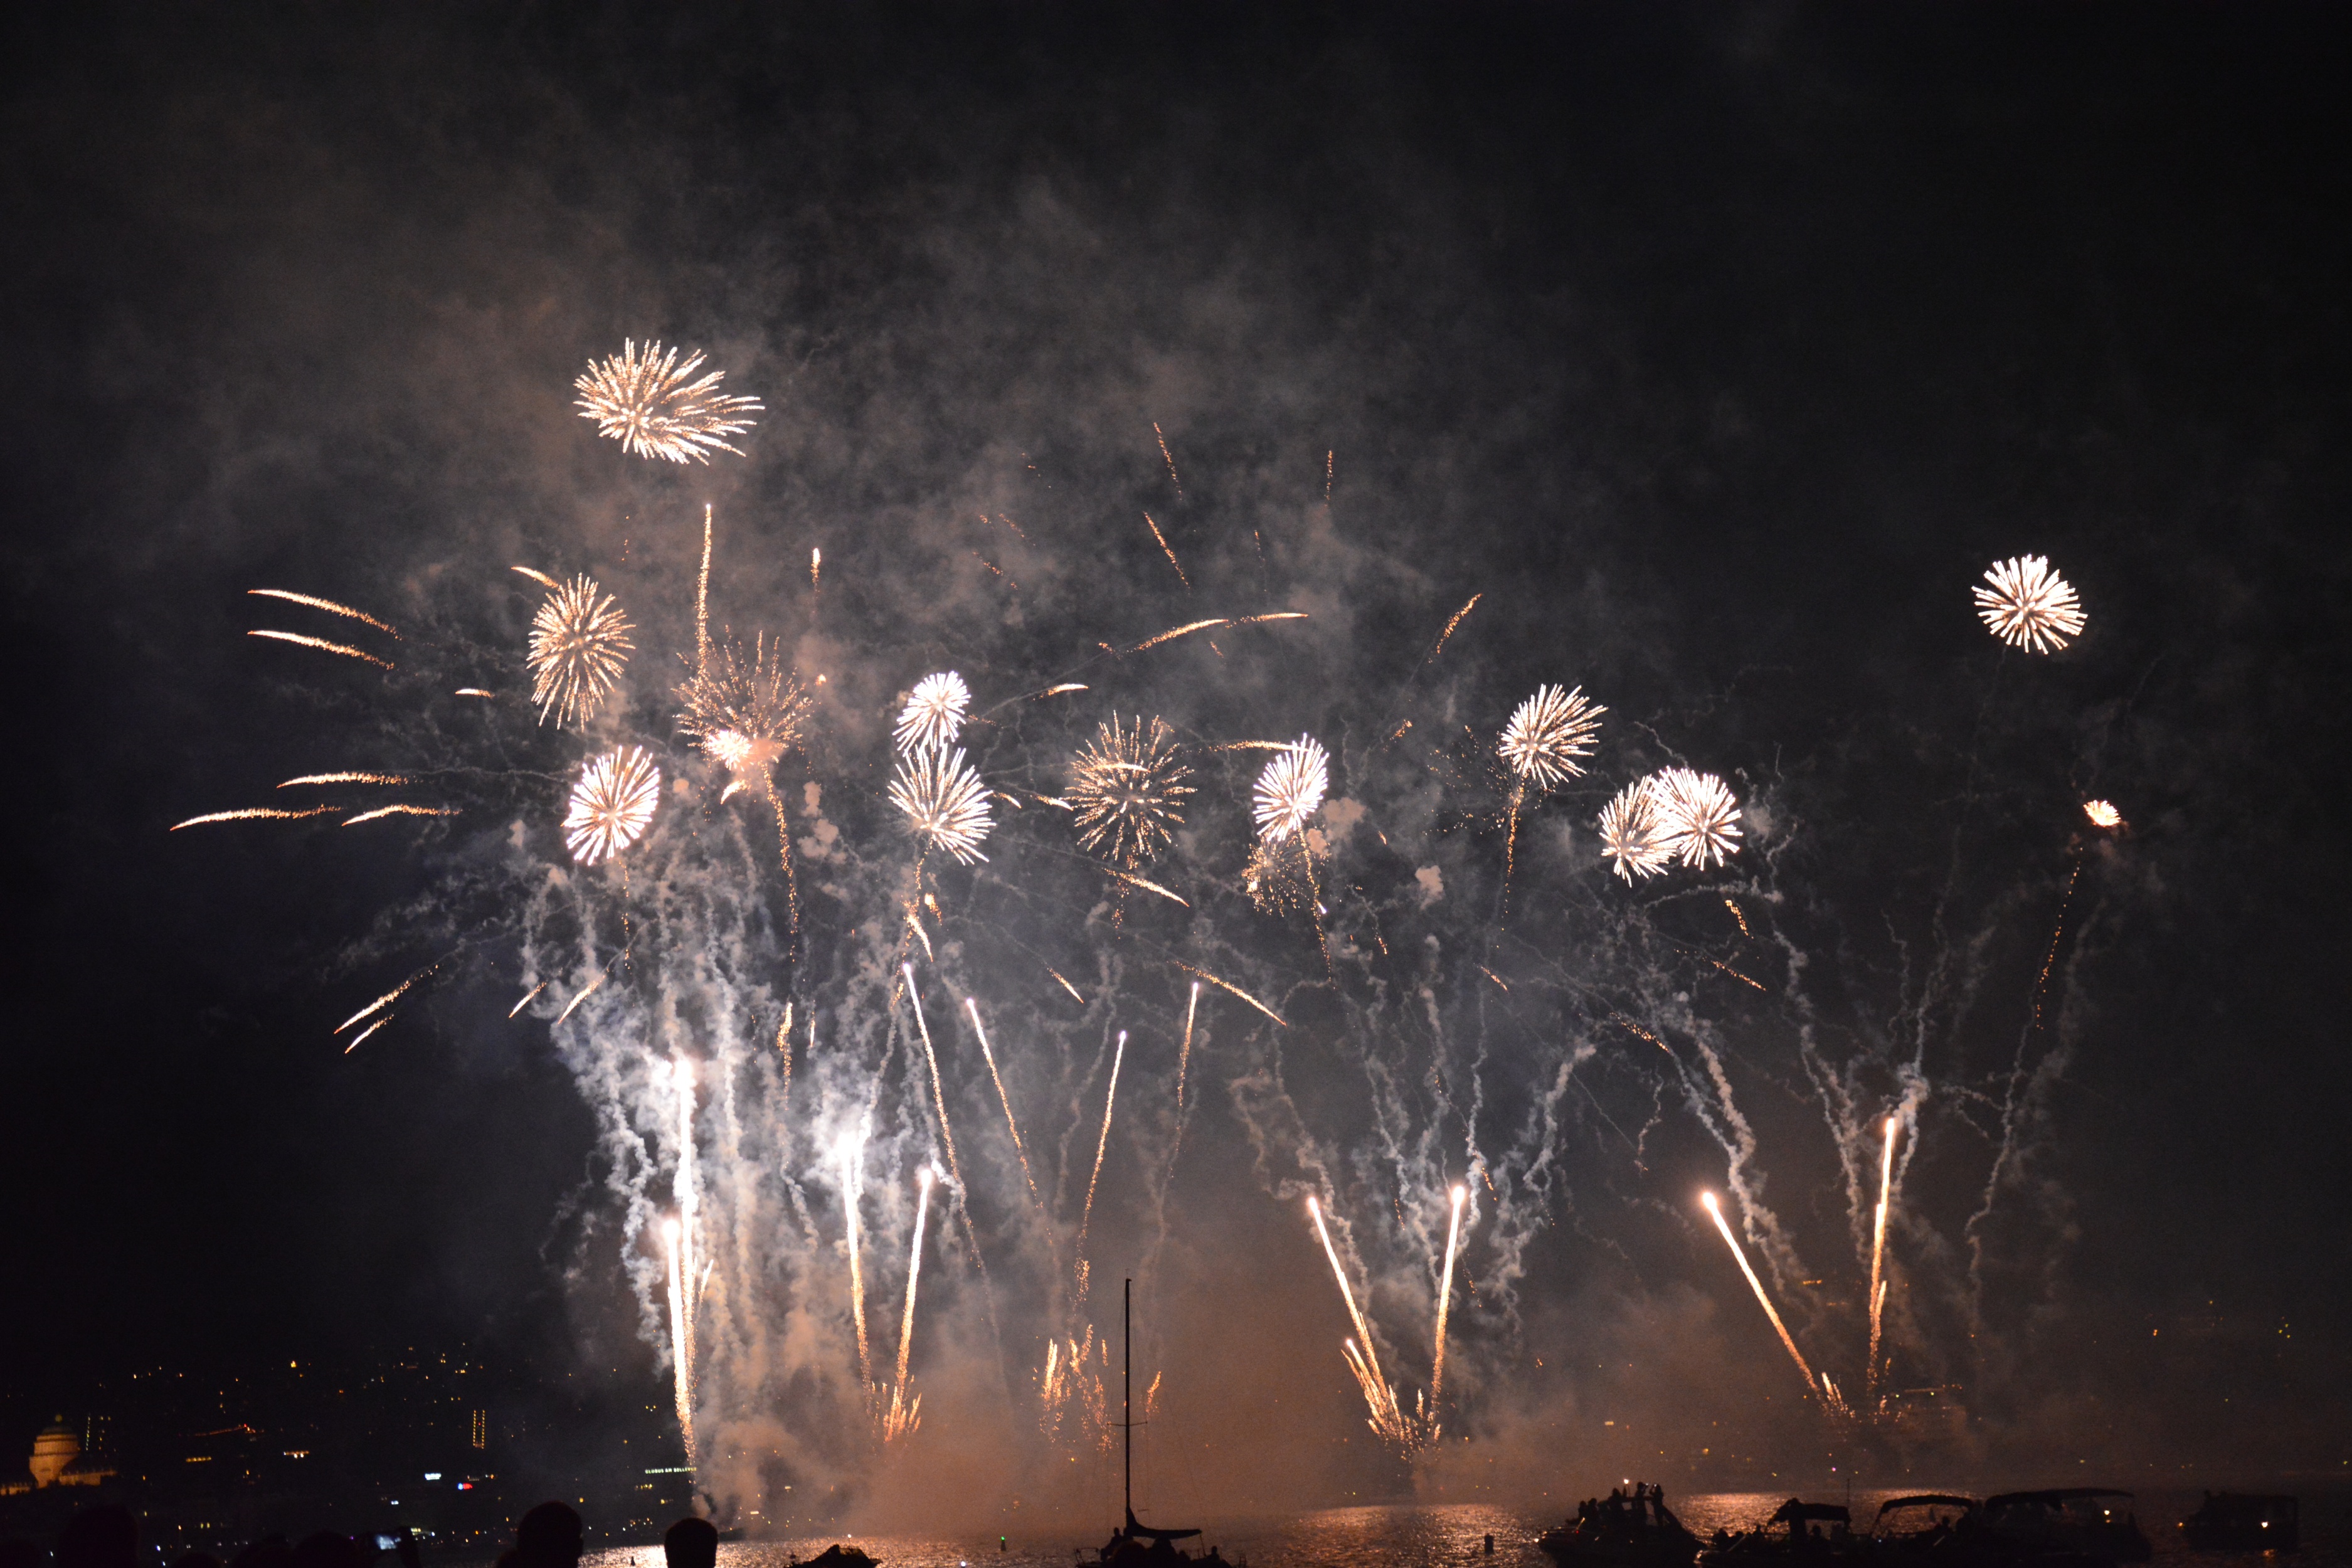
(933, 716)
(611, 805)
(1547, 734)
(1290, 789)
(2103, 814)
(2028, 606)
(1127, 787)
(1278, 877)
(945, 803)
(744, 712)
(1698, 816)
(579, 645)
(1632, 834)
(646, 403)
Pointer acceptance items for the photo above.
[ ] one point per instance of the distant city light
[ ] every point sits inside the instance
(432, 1475)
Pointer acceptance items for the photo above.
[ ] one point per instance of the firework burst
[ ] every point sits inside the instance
(1631, 833)
(744, 712)
(579, 645)
(945, 803)
(2028, 606)
(1698, 814)
(611, 805)
(1290, 789)
(1127, 787)
(648, 404)
(933, 716)
(1547, 734)
(2103, 814)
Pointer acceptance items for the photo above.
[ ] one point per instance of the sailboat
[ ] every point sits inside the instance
(1135, 1544)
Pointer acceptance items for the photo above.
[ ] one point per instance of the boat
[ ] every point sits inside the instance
(1909, 1527)
(1798, 1532)
(2093, 1522)
(2243, 1522)
(1621, 1532)
(1135, 1544)
(840, 1556)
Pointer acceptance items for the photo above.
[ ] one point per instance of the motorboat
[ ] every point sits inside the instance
(1798, 1532)
(1908, 1528)
(2243, 1522)
(2087, 1521)
(1622, 1531)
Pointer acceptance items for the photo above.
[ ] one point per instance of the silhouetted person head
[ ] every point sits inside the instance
(269, 1551)
(691, 1544)
(549, 1537)
(192, 1558)
(328, 1548)
(101, 1537)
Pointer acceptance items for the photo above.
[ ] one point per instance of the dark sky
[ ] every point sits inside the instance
(1717, 348)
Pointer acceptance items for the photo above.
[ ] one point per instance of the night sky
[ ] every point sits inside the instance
(1718, 350)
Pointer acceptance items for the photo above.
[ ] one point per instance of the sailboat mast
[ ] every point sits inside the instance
(1127, 1386)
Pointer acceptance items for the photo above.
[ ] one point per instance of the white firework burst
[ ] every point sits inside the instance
(945, 803)
(648, 404)
(612, 803)
(1632, 834)
(1549, 732)
(579, 645)
(2028, 606)
(1698, 814)
(2103, 814)
(1290, 789)
(933, 716)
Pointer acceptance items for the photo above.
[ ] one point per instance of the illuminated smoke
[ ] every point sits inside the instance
(579, 645)
(2028, 605)
(613, 804)
(933, 716)
(1547, 734)
(648, 404)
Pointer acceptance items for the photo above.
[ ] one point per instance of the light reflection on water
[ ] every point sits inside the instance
(1452, 1536)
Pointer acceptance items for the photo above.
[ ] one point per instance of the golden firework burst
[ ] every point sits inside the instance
(2028, 606)
(612, 803)
(945, 803)
(579, 645)
(648, 404)
(1547, 734)
(743, 710)
(1127, 787)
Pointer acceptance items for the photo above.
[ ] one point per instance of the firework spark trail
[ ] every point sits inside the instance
(254, 814)
(2028, 606)
(1377, 1393)
(1170, 458)
(680, 1352)
(590, 990)
(536, 575)
(1459, 615)
(702, 602)
(399, 809)
(1877, 1256)
(1734, 908)
(1065, 985)
(363, 1034)
(377, 1006)
(784, 1049)
(346, 778)
(1164, 550)
(1223, 986)
(526, 998)
(689, 1188)
(1445, 1305)
(646, 403)
(1190, 627)
(1758, 1286)
(328, 606)
(323, 646)
(1184, 1054)
(973, 1006)
(1111, 1097)
(939, 1094)
(914, 1272)
(472, 691)
(853, 1148)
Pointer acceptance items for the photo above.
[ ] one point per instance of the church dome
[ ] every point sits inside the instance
(53, 1451)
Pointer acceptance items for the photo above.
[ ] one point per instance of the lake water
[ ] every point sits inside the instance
(1428, 1537)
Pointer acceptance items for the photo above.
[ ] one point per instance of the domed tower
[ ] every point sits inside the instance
(56, 1448)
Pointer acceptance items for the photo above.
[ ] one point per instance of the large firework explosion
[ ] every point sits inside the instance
(656, 407)
(2028, 605)
(821, 1070)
